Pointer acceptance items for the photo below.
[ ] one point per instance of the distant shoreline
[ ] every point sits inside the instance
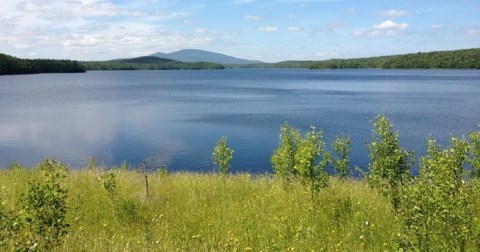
(465, 59)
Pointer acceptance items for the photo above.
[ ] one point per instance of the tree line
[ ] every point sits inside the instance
(457, 59)
(13, 65)
(149, 63)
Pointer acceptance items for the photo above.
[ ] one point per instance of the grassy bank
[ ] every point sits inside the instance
(204, 212)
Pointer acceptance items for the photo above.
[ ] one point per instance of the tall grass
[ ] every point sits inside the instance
(205, 212)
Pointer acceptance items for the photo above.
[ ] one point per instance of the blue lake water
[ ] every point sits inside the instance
(174, 118)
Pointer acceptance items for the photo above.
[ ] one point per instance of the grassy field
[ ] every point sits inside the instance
(209, 212)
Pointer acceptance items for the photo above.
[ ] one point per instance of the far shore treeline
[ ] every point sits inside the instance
(456, 59)
(13, 65)
(149, 63)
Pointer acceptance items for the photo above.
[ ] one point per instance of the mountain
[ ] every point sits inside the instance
(194, 55)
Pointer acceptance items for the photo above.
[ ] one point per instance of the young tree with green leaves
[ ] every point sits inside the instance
(299, 157)
(222, 156)
(341, 158)
(435, 211)
(474, 158)
(312, 171)
(283, 158)
(390, 164)
(43, 217)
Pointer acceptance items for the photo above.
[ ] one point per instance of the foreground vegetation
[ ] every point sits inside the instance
(207, 212)
(301, 207)
(13, 65)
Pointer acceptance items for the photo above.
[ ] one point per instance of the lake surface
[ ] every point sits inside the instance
(174, 118)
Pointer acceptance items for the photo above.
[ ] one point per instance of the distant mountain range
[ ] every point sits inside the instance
(194, 55)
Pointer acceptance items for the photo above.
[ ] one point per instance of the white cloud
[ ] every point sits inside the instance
(389, 24)
(392, 13)
(293, 29)
(96, 29)
(386, 28)
(358, 33)
(267, 28)
(473, 32)
(252, 17)
(437, 26)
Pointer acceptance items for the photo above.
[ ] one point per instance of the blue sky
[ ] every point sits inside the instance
(268, 30)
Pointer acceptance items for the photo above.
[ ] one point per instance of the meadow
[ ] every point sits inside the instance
(205, 212)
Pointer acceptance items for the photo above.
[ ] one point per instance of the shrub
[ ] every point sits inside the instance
(341, 159)
(299, 157)
(474, 158)
(222, 156)
(43, 216)
(389, 163)
(312, 171)
(283, 158)
(109, 182)
(435, 210)
(92, 164)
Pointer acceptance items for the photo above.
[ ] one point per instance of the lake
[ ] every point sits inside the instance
(174, 118)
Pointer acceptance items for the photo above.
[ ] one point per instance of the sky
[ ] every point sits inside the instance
(266, 30)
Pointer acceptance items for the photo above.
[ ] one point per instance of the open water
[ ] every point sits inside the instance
(174, 118)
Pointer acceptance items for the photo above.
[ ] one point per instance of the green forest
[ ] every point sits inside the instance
(457, 59)
(13, 65)
(149, 63)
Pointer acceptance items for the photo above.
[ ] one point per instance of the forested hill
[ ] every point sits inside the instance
(13, 65)
(458, 59)
(149, 63)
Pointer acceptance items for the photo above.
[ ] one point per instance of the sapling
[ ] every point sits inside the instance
(43, 217)
(390, 164)
(222, 156)
(474, 158)
(341, 160)
(307, 164)
(283, 158)
(435, 209)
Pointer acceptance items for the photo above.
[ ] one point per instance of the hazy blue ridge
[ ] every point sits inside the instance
(194, 55)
